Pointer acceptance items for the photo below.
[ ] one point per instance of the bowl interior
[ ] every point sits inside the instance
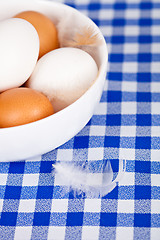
(29, 140)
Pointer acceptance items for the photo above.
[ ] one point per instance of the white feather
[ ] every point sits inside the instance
(81, 180)
(68, 29)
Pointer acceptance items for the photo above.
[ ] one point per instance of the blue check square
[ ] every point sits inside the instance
(108, 219)
(74, 219)
(143, 77)
(143, 97)
(81, 142)
(113, 120)
(145, 39)
(117, 76)
(94, 6)
(118, 22)
(119, 6)
(142, 220)
(16, 167)
(114, 96)
(13, 192)
(144, 57)
(117, 39)
(143, 166)
(143, 142)
(145, 22)
(8, 218)
(46, 166)
(111, 141)
(145, 5)
(142, 192)
(41, 219)
(45, 192)
(143, 119)
(116, 57)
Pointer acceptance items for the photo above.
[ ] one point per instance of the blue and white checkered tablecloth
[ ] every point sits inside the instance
(125, 125)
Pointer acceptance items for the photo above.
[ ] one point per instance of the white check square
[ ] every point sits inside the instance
(128, 131)
(95, 153)
(155, 131)
(3, 178)
(129, 86)
(131, 31)
(56, 233)
(155, 180)
(155, 155)
(90, 232)
(101, 108)
(155, 86)
(124, 233)
(23, 233)
(106, 14)
(30, 179)
(127, 153)
(155, 233)
(59, 205)
(125, 206)
(155, 48)
(155, 13)
(131, 48)
(132, 14)
(92, 205)
(155, 107)
(127, 180)
(130, 67)
(27, 205)
(155, 206)
(129, 108)
(97, 130)
(65, 154)
(1, 205)
(155, 67)
(154, 30)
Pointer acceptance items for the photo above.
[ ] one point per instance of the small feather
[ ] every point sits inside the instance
(74, 33)
(81, 180)
(84, 37)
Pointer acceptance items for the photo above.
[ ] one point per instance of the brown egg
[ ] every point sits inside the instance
(47, 31)
(19, 106)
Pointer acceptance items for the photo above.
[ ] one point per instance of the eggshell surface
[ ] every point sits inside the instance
(63, 75)
(46, 29)
(19, 106)
(19, 49)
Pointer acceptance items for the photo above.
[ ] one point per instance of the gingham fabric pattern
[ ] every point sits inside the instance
(125, 125)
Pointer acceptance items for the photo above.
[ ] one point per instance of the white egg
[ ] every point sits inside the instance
(19, 49)
(64, 75)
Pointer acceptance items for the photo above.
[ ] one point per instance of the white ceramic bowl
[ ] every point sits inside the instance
(33, 139)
